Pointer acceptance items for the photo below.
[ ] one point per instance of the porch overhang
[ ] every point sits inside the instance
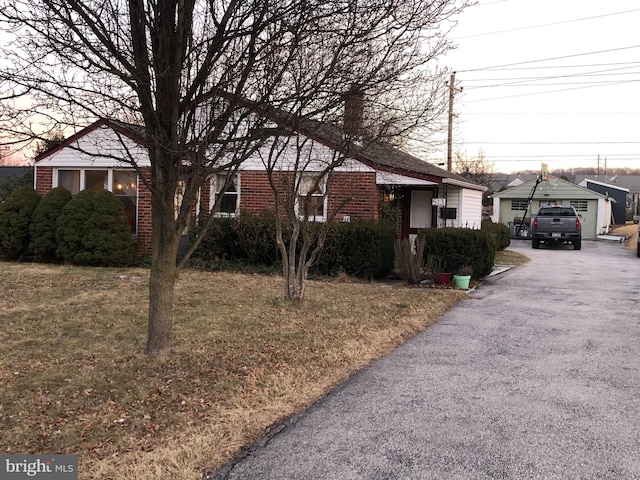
(388, 178)
(459, 183)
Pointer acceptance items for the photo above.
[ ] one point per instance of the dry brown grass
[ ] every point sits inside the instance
(632, 231)
(73, 378)
(509, 257)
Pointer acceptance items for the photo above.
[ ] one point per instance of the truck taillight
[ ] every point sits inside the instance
(535, 223)
(577, 223)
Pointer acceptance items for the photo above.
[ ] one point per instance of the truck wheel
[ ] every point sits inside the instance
(535, 243)
(577, 244)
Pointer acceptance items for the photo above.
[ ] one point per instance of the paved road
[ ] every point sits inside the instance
(535, 376)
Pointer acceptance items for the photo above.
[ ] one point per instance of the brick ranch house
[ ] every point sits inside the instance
(372, 175)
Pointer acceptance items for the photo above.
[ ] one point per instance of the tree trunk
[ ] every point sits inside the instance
(162, 281)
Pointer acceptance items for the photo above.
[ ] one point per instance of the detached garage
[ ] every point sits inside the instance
(509, 206)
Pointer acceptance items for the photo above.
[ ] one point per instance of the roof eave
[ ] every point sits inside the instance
(459, 183)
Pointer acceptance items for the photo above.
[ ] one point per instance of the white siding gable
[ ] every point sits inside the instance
(99, 148)
(313, 157)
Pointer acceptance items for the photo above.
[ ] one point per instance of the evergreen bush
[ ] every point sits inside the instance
(70, 225)
(93, 229)
(362, 249)
(15, 217)
(43, 243)
(456, 247)
(499, 231)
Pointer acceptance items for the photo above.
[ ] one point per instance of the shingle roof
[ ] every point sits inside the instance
(376, 154)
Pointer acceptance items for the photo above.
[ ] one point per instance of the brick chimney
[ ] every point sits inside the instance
(354, 112)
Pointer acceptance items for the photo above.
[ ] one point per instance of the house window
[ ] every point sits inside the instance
(122, 183)
(314, 195)
(125, 187)
(96, 180)
(230, 198)
(69, 179)
(449, 213)
(579, 205)
(519, 204)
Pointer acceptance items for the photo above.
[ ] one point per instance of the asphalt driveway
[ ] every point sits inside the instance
(536, 375)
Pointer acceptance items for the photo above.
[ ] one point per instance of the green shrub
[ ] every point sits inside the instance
(363, 249)
(70, 225)
(499, 231)
(92, 229)
(456, 247)
(15, 218)
(248, 239)
(43, 243)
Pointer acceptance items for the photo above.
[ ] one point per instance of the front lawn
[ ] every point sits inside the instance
(73, 378)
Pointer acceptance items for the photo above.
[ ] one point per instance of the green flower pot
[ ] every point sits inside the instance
(462, 281)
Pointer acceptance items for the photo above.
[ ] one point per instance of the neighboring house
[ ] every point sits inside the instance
(616, 193)
(427, 196)
(630, 182)
(7, 173)
(595, 208)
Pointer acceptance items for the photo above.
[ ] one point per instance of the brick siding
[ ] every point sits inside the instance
(44, 179)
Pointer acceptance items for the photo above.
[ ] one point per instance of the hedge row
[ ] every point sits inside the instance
(362, 249)
(457, 247)
(88, 229)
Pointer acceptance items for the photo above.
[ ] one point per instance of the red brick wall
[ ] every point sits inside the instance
(44, 179)
(144, 243)
(357, 187)
(361, 191)
(256, 194)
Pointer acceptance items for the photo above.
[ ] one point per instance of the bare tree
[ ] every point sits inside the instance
(477, 169)
(203, 80)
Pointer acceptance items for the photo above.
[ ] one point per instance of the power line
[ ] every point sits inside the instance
(610, 156)
(545, 24)
(557, 66)
(602, 83)
(551, 113)
(593, 73)
(555, 143)
(550, 58)
(552, 91)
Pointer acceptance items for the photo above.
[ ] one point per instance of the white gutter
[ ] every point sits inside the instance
(388, 178)
(460, 183)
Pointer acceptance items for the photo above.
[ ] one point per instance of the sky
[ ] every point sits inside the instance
(547, 81)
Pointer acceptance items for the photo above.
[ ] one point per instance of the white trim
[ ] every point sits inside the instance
(82, 185)
(584, 183)
(460, 183)
(322, 185)
(213, 192)
(388, 178)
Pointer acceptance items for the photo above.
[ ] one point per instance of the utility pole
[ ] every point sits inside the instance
(452, 93)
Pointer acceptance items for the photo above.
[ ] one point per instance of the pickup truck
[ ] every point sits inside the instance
(556, 224)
